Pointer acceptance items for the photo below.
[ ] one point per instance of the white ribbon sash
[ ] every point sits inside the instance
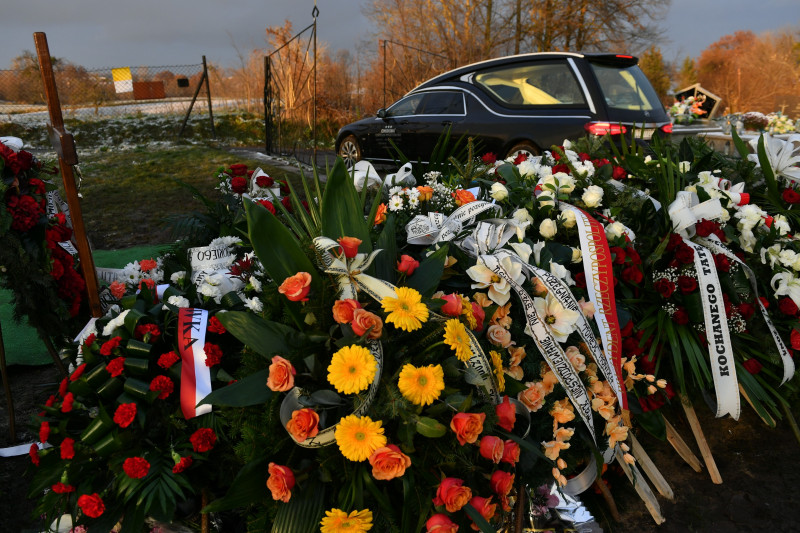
(686, 211)
(723, 368)
(434, 227)
(195, 375)
(786, 357)
(350, 272)
(600, 286)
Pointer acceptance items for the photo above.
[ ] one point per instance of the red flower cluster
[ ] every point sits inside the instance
(182, 465)
(264, 181)
(91, 505)
(162, 384)
(18, 162)
(213, 354)
(168, 359)
(125, 414)
(68, 448)
(25, 212)
(238, 169)
(215, 326)
(109, 346)
(60, 488)
(116, 366)
(239, 184)
(266, 203)
(203, 439)
(136, 467)
(143, 330)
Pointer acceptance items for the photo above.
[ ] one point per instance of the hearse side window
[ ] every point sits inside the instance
(443, 103)
(406, 106)
(533, 85)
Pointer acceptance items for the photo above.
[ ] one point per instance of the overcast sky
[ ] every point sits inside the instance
(112, 33)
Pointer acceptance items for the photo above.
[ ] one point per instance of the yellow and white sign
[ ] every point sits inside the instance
(123, 81)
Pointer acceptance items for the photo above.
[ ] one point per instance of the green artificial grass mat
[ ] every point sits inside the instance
(21, 342)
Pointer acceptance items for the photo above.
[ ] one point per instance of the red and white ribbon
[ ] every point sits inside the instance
(195, 375)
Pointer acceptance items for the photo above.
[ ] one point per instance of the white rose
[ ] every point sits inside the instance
(592, 196)
(576, 255)
(565, 182)
(521, 215)
(545, 199)
(615, 229)
(684, 166)
(498, 192)
(568, 219)
(548, 228)
(523, 250)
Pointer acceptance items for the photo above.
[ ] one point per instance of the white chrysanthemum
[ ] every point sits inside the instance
(178, 277)
(585, 168)
(227, 241)
(254, 304)
(395, 203)
(116, 322)
(395, 191)
(254, 283)
(781, 224)
(177, 301)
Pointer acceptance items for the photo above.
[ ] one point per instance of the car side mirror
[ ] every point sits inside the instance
(381, 113)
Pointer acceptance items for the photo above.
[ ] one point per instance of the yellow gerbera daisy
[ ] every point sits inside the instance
(499, 375)
(407, 310)
(466, 312)
(455, 336)
(359, 436)
(338, 521)
(421, 385)
(352, 369)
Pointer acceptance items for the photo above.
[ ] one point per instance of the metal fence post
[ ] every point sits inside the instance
(267, 106)
(208, 92)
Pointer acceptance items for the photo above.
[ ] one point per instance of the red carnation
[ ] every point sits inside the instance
(60, 488)
(213, 354)
(182, 465)
(790, 196)
(560, 168)
(747, 310)
(489, 158)
(125, 414)
(580, 280)
(264, 181)
(91, 505)
(633, 275)
(143, 330)
(215, 326)
(62, 387)
(268, 205)
(34, 454)
(687, 284)
(162, 384)
(136, 467)
(794, 339)
(787, 306)
(90, 340)
(76, 374)
(704, 228)
(627, 331)
(522, 156)
(168, 359)
(66, 405)
(633, 255)
(619, 255)
(110, 345)
(239, 184)
(25, 212)
(664, 287)
(674, 241)
(619, 173)
(116, 366)
(680, 316)
(68, 448)
(203, 439)
(44, 432)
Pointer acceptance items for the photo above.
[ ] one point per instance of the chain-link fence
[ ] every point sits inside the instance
(106, 93)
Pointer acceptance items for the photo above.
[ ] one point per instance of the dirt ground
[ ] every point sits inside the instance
(760, 469)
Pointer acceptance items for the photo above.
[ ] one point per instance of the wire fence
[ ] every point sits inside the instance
(106, 93)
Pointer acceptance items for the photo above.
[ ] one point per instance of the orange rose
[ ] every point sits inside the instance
(500, 316)
(532, 397)
(380, 214)
(499, 336)
(491, 448)
(454, 304)
(516, 355)
(389, 462)
(304, 424)
(296, 287)
(440, 523)
(407, 264)
(452, 494)
(425, 193)
(281, 375)
(463, 197)
(349, 246)
(280, 482)
(501, 482)
(485, 507)
(510, 452)
(343, 310)
(363, 320)
(506, 414)
(467, 426)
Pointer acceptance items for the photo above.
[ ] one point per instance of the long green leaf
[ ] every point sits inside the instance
(740, 145)
(249, 486)
(248, 391)
(766, 169)
(303, 513)
(386, 260)
(342, 211)
(263, 336)
(479, 520)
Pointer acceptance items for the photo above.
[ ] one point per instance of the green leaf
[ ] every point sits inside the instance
(249, 487)
(385, 261)
(277, 249)
(326, 397)
(342, 211)
(304, 511)
(479, 520)
(766, 169)
(426, 277)
(248, 391)
(741, 146)
(263, 336)
(428, 427)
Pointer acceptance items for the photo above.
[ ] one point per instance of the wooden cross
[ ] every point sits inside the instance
(64, 145)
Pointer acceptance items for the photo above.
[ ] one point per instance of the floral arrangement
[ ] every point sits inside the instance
(754, 121)
(447, 359)
(688, 109)
(39, 260)
(780, 124)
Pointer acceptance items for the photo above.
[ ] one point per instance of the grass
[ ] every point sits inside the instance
(128, 195)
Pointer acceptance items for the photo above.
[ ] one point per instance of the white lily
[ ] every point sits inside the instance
(788, 285)
(499, 289)
(783, 156)
(559, 320)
